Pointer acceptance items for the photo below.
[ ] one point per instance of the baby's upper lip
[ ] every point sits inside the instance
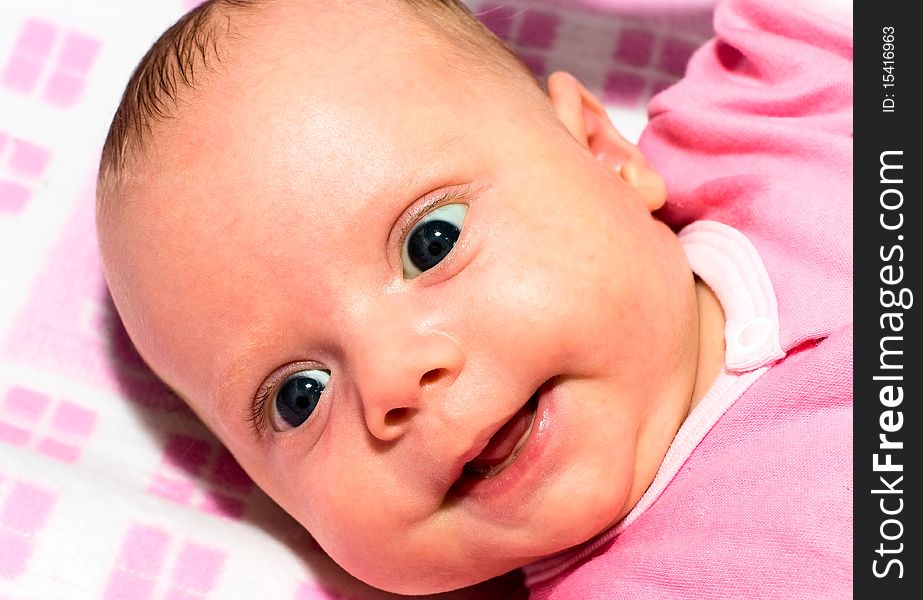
(482, 439)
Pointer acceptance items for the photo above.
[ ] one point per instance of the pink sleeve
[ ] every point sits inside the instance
(770, 95)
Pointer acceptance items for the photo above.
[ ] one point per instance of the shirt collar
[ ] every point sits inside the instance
(726, 260)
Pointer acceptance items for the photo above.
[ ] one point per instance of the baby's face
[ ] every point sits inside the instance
(273, 266)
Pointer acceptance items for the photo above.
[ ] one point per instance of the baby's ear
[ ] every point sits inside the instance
(586, 119)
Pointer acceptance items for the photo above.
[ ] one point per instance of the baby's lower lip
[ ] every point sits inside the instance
(509, 480)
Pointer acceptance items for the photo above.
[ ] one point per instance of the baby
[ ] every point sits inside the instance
(426, 305)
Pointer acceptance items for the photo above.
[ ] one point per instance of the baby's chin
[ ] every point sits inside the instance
(503, 585)
(415, 578)
(411, 584)
(422, 576)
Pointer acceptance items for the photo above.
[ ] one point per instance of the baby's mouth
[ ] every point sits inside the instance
(505, 445)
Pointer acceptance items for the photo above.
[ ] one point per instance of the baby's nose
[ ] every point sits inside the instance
(402, 377)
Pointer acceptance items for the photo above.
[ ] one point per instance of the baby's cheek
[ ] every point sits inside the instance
(366, 548)
(335, 504)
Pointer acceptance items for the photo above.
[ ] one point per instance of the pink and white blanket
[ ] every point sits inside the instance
(109, 487)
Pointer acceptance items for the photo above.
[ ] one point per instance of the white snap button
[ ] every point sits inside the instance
(752, 334)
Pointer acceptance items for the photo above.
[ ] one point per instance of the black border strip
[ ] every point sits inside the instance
(888, 368)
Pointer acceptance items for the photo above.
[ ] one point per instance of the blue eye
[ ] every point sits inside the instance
(432, 239)
(297, 398)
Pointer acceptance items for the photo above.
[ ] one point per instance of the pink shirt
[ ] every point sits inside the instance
(754, 499)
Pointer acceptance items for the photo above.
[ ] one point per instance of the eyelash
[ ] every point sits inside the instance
(257, 413)
(419, 211)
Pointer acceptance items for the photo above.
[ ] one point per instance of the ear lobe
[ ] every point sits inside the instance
(641, 176)
(584, 116)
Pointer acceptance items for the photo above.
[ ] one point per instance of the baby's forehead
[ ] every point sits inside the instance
(337, 131)
(337, 41)
(279, 71)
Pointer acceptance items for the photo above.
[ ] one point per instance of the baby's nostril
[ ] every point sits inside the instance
(431, 377)
(395, 416)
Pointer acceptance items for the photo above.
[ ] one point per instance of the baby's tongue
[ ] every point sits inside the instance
(502, 443)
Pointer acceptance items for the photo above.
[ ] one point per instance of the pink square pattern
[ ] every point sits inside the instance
(24, 511)
(646, 62)
(538, 29)
(635, 47)
(50, 61)
(646, 55)
(197, 568)
(153, 560)
(674, 55)
(623, 88)
(69, 326)
(201, 474)
(56, 428)
(36, 39)
(22, 165)
(499, 19)
(13, 196)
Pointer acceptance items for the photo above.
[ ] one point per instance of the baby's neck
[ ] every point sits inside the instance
(711, 341)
